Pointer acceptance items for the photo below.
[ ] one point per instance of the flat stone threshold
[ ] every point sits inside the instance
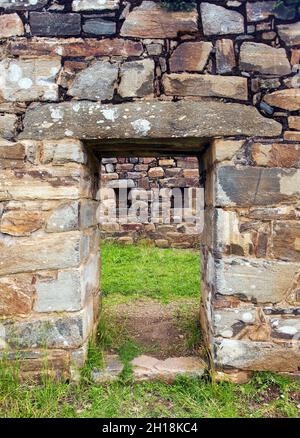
(148, 368)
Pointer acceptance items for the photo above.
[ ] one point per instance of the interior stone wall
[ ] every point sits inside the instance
(146, 174)
(80, 80)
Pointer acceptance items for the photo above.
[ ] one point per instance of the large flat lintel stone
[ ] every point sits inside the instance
(151, 119)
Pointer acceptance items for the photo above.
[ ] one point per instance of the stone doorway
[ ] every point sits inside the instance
(157, 323)
(50, 238)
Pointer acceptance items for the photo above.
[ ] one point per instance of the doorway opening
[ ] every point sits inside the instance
(151, 229)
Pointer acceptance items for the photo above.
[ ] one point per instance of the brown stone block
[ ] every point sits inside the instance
(75, 47)
(286, 240)
(149, 20)
(288, 99)
(16, 294)
(292, 136)
(225, 56)
(276, 155)
(264, 59)
(21, 223)
(294, 122)
(44, 183)
(186, 84)
(190, 56)
(11, 25)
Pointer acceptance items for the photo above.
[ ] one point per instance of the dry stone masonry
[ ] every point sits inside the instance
(143, 175)
(85, 79)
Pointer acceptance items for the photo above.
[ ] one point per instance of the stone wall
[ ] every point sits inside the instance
(80, 80)
(148, 173)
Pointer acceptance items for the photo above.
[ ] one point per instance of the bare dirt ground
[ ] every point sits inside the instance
(162, 330)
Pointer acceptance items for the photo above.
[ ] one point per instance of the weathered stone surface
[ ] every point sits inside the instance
(225, 57)
(111, 372)
(74, 286)
(264, 281)
(294, 122)
(50, 332)
(10, 25)
(62, 152)
(56, 251)
(11, 154)
(186, 84)
(16, 295)
(151, 21)
(262, 10)
(20, 223)
(43, 183)
(97, 82)
(75, 47)
(98, 26)
(264, 59)
(64, 218)
(190, 56)
(20, 5)
(217, 20)
(137, 78)
(292, 136)
(286, 240)
(58, 24)
(230, 322)
(254, 356)
(8, 125)
(156, 172)
(29, 79)
(286, 99)
(276, 155)
(286, 328)
(94, 5)
(290, 33)
(150, 368)
(248, 186)
(225, 149)
(195, 119)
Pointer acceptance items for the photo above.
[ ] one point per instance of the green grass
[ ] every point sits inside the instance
(160, 274)
(142, 271)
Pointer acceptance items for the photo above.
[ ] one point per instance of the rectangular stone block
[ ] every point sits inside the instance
(11, 154)
(186, 84)
(8, 125)
(249, 355)
(95, 5)
(16, 294)
(258, 280)
(248, 186)
(75, 47)
(29, 79)
(286, 240)
(276, 155)
(50, 332)
(67, 291)
(44, 183)
(54, 251)
(91, 120)
(58, 24)
(286, 328)
(228, 323)
(64, 151)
